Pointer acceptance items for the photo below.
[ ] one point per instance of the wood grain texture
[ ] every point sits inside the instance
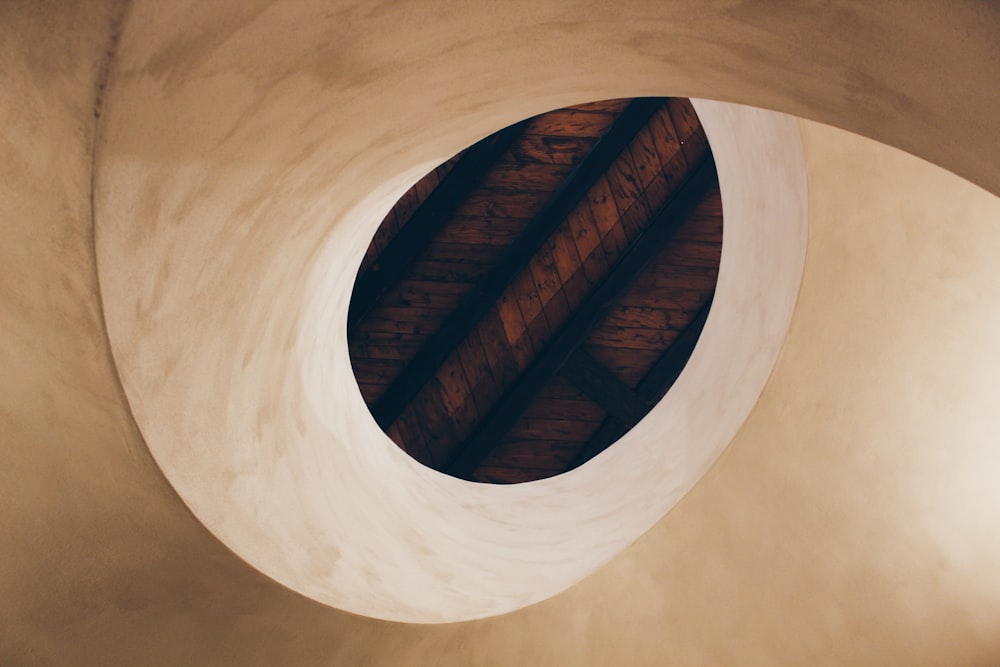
(491, 313)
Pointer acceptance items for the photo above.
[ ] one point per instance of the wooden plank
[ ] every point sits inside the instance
(711, 207)
(395, 434)
(510, 317)
(587, 237)
(426, 220)
(653, 386)
(668, 180)
(576, 289)
(561, 388)
(419, 191)
(376, 371)
(550, 287)
(602, 204)
(653, 318)
(477, 230)
(667, 369)
(454, 386)
(604, 213)
(528, 177)
(636, 216)
(645, 157)
(662, 185)
(614, 244)
(415, 196)
(424, 317)
(632, 338)
(570, 122)
(536, 334)
(665, 139)
(608, 434)
(706, 228)
(708, 231)
(496, 348)
(398, 347)
(386, 230)
(430, 415)
(540, 149)
(461, 252)
(513, 260)
(560, 430)
(443, 271)
(374, 323)
(694, 253)
(627, 194)
(564, 253)
(458, 399)
(498, 203)
(709, 211)
(569, 267)
(538, 454)
(505, 475)
(608, 106)
(414, 442)
(577, 409)
(369, 391)
(484, 387)
(403, 210)
(604, 387)
(545, 273)
(506, 413)
(629, 365)
(669, 275)
(689, 129)
(425, 294)
(674, 298)
(672, 275)
(523, 350)
(525, 291)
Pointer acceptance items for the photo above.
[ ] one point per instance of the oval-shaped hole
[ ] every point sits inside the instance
(527, 302)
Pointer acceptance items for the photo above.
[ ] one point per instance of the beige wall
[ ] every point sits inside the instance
(851, 521)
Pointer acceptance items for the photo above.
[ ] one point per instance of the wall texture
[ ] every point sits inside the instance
(851, 521)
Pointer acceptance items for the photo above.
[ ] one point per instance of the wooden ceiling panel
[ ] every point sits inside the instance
(531, 299)
(535, 149)
(573, 122)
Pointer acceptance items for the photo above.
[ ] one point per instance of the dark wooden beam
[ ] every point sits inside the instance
(594, 379)
(668, 367)
(512, 261)
(651, 389)
(646, 245)
(414, 236)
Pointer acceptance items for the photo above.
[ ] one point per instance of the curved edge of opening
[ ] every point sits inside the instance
(277, 455)
(405, 248)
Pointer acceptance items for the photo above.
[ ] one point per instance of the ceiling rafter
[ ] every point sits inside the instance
(435, 211)
(643, 248)
(594, 379)
(458, 325)
(653, 387)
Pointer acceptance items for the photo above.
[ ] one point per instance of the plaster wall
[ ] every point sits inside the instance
(228, 327)
(851, 521)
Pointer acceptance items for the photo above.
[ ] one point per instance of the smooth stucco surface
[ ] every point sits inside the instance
(228, 326)
(851, 521)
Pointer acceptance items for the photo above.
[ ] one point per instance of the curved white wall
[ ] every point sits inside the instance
(850, 520)
(229, 333)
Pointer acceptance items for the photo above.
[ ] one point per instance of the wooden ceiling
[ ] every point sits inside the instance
(528, 301)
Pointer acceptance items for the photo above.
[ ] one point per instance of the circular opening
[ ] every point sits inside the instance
(527, 302)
